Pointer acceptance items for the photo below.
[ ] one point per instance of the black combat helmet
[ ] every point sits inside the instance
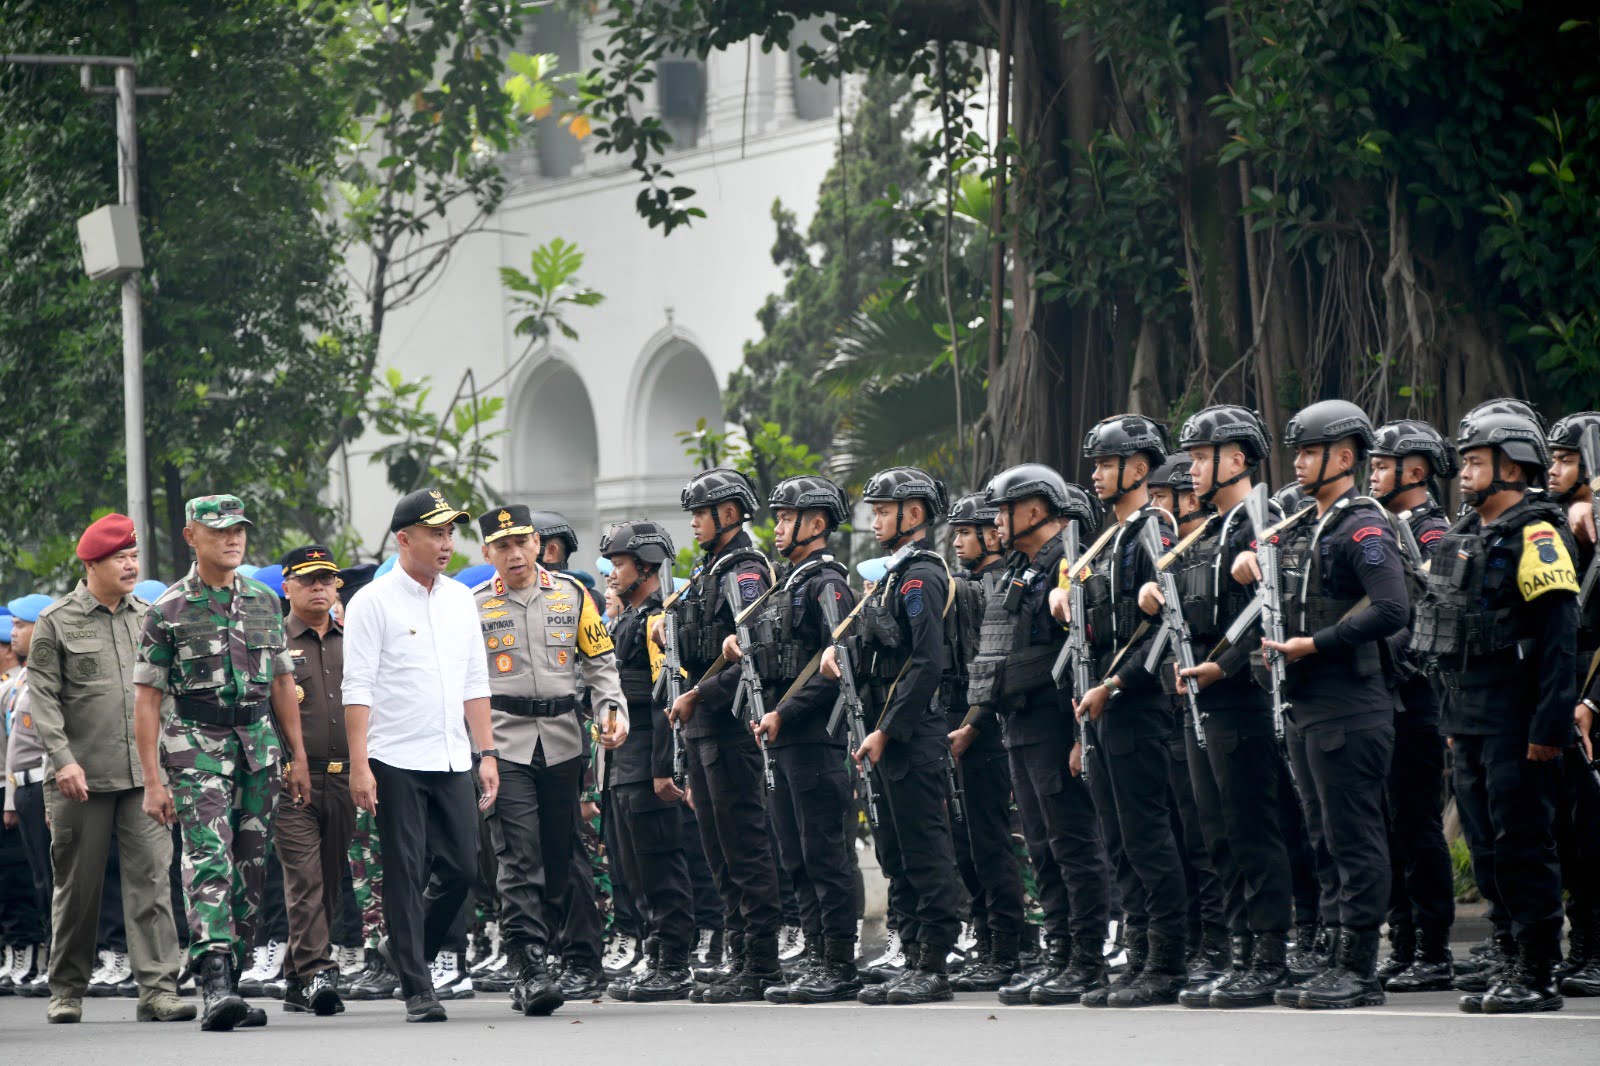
(810, 492)
(1226, 424)
(1290, 499)
(973, 509)
(715, 486)
(1328, 422)
(1125, 436)
(899, 484)
(1567, 434)
(1010, 487)
(1411, 436)
(1518, 437)
(647, 541)
(1173, 474)
(1507, 405)
(553, 525)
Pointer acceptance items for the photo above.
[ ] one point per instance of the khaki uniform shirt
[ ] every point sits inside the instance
(536, 639)
(318, 679)
(81, 677)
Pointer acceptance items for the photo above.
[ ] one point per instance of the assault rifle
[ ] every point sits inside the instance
(749, 696)
(1271, 603)
(1589, 449)
(849, 705)
(1174, 627)
(671, 682)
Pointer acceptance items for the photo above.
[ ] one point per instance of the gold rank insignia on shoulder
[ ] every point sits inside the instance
(499, 586)
(495, 614)
(493, 603)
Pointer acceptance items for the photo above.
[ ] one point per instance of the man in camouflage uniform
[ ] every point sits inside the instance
(215, 642)
(377, 980)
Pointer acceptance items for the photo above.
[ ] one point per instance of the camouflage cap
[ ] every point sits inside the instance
(218, 512)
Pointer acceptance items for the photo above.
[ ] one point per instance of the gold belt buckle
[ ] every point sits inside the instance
(336, 768)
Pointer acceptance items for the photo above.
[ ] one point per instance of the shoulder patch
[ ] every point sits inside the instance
(911, 591)
(1431, 535)
(1364, 532)
(750, 587)
(1545, 565)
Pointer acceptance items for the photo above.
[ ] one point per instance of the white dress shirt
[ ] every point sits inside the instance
(412, 655)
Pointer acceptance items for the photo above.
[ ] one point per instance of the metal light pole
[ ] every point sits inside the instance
(126, 92)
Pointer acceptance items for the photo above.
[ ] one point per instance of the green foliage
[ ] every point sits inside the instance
(766, 456)
(549, 289)
(1466, 885)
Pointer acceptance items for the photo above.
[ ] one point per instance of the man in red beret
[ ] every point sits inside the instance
(81, 679)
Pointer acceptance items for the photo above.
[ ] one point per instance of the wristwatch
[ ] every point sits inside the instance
(489, 753)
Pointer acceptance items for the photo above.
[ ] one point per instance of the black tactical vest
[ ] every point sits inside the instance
(633, 653)
(883, 644)
(1111, 594)
(1014, 655)
(700, 634)
(1465, 622)
(778, 653)
(1307, 606)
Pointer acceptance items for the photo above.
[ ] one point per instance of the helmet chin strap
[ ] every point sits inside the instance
(900, 532)
(1217, 485)
(1322, 474)
(795, 545)
(1497, 484)
(644, 575)
(716, 534)
(1123, 490)
(1011, 523)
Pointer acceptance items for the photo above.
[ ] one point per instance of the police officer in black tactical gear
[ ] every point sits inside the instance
(983, 840)
(1134, 729)
(812, 797)
(644, 797)
(1500, 622)
(1236, 770)
(904, 662)
(1172, 490)
(1343, 582)
(724, 762)
(1578, 816)
(1011, 692)
(1408, 461)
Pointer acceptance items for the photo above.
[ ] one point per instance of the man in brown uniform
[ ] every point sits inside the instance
(85, 647)
(312, 838)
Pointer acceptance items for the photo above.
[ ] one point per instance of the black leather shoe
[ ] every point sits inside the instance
(323, 995)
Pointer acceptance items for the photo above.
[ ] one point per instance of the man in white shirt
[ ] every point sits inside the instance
(415, 681)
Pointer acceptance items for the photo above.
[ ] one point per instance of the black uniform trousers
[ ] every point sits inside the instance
(1207, 896)
(649, 838)
(1498, 787)
(531, 826)
(1422, 879)
(627, 905)
(707, 904)
(1245, 765)
(725, 777)
(1304, 887)
(1062, 834)
(1214, 828)
(983, 842)
(808, 808)
(914, 844)
(428, 822)
(583, 927)
(1125, 898)
(1343, 776)
(35, 833)
(1134, 732)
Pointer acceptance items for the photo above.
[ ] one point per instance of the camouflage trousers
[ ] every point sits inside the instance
(227, 823)
(594, 850)
(366, 877)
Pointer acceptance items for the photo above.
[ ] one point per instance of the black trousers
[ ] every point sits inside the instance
(111, 934)
(1516, 799)
(1136, 760)
(1577, 831)
(649, 851)
(1306, 890)
(428, 822)
(1126, 898)
(35, 833)
(707, 904)
(1214, 829)
(808, 810)
(627, 904)
(1062, 834)
(1243, 758)
(1207, 897)
(725, 777)
(1422, 878)
(531, 826)
(915, 848)
(583, 927)
(983, 842)
(20, 919)
(1343, 776)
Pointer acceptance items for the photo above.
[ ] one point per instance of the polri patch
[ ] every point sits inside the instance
(912, 592)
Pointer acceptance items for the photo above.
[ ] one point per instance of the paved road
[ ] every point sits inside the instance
(1413, 1030)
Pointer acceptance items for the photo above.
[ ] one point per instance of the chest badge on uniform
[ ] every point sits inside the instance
(299, 694)
(27, 721)
(509, 640)
(496, 602)
(495, 614)
(494, 643)
(561, 657)
(502, 663)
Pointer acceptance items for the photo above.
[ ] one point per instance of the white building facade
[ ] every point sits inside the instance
(592, 424)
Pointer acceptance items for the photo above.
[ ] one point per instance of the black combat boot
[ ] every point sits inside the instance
(797, 971)
(621, 988)
(834, 979)
(254, 1017)
(1491, 964)
(1402, 951)
(1353, 982)
(989, 974)
(1256, 986)
(535, 994)
(581, 981)
(1138, 956)
(1209, 965)
(1527, 985)
(1583, 979)
(877, 995)
(1085, 973)
(1313, 950)
(759, 973)
(1432, 970)
(927, 982)
(732, 962)
(1289, 995)
(377, 981)
(1579, 949)
(1057, 957)
(1198, 997)
(221, 1008)
(1161, 978)
(668, 977)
